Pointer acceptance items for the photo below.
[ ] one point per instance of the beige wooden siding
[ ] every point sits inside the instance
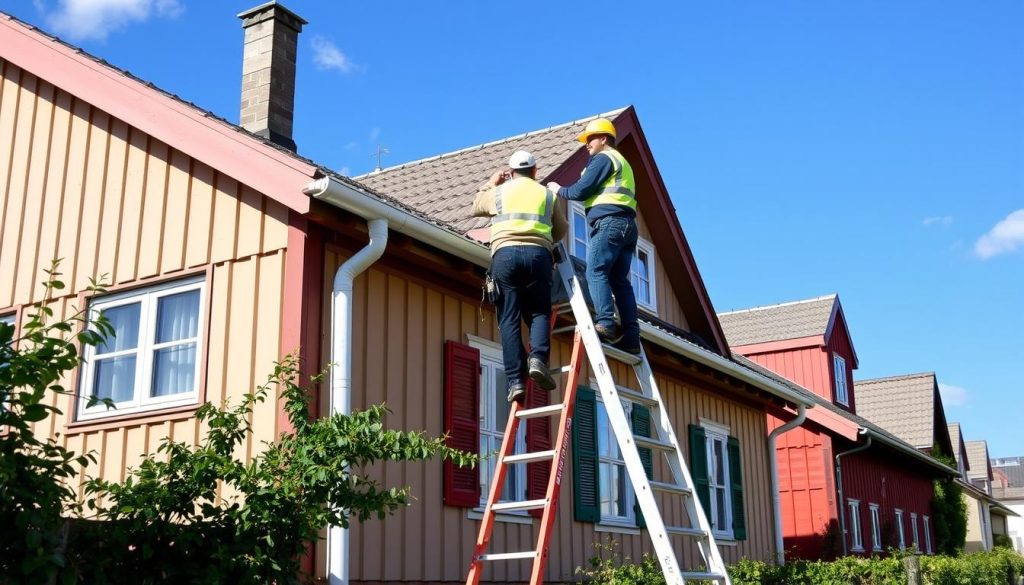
(113, 201)
(668, 303)
(400, 326)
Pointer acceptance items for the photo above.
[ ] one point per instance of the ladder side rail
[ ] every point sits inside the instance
(558, 465)
(680, 470)
(620, 426)
(494, 494)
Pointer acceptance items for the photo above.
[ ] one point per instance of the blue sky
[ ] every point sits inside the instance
(873, 149)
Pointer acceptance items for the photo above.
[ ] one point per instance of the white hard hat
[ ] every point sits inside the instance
(521, 159)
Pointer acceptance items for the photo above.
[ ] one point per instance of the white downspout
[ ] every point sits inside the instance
(839, 485)
(801, 415)
(341, 368)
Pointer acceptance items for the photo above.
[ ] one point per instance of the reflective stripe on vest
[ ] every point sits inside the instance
(619, 188)
(524, 207)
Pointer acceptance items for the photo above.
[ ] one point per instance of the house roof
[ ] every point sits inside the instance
(444, 186)
(838, 414)
(903, 404)
(977, 456)
(795, 320)
(956, 438)
(1012, 468)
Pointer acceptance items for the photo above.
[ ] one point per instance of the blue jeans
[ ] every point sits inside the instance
(523, 274)
(609, 257)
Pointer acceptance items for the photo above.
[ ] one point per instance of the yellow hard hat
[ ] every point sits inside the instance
(598, 126)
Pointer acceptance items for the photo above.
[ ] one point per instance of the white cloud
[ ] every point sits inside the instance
(1005, 236)
(95, 19)
(327, 56)
(944, 220)
(952, 395)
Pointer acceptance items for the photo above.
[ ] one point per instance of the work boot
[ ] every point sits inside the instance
(516, 393)
(629, 347)
(539, 373)
(608, 333)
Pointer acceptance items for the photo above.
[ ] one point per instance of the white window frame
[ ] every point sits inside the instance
(603, 460)
(876, 530)
(900, 530)
(148, 298)
(927, 536)
(491, 364)
(839, 370)
(856, 535)
(913, 531)
(715, 432)
(576, 211)
(9, 318)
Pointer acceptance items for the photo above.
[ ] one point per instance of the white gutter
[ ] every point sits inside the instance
(839, 483)
(910, 450)
(801, 415)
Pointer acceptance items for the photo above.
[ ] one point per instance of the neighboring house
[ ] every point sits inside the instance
(980, 501)
(847, 485)
(1013, 499)
(222, 247)
(956, 441)
(909, 407)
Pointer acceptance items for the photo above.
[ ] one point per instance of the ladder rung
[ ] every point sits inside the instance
(519, 506)
(617, 354)
(670, 488)
(530, 554)
(638, 397)
(531, 457)
(701, 575)
(565, 329)
(653, 444)
(563, 308)
(685, 531)
(540, 411)
(562, 370)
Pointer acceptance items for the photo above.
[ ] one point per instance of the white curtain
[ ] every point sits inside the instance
(115, 376)
(174, 366)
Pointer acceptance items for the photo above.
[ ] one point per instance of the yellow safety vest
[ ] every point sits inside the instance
(524, 207)
(619, 188)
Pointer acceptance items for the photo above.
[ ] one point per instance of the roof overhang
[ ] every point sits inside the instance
(780, 345)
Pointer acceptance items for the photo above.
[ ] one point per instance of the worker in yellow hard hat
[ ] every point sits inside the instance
(526, 220)
(608, 193)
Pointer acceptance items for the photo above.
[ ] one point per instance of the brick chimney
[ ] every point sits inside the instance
(268, 71)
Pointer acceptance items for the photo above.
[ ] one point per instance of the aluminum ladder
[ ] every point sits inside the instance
(664, 441)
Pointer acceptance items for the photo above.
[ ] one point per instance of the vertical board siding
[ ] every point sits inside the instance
(120, 206)
(669, 308)
(839, 342)
(808, 367)
(400, 326)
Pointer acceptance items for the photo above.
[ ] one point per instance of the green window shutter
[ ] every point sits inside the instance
(586, 498)
(640, 418)
(699, 466)
(739, 516)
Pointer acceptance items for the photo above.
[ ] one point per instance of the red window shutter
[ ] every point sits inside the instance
(461, 422)
(538, 438)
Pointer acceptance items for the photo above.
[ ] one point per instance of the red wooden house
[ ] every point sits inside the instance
(846, 485)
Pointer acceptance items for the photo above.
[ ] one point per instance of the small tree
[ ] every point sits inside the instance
(168, 523)
(35, 471)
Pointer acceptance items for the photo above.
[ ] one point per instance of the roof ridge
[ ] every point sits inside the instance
(891, 378)
(775, 306)
(492, 143)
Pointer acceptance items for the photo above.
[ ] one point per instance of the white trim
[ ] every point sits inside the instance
(480, 343)
(717, 432)
(927, 536)
(913, 530)
(839, 363)
(617, 528)
(148, 299)
(715, 427)
(900, 530)
(629, 520)
(510, 518)
(652, 287)
(876, 528)
(856, 531)
(491, 360)
(575, 208)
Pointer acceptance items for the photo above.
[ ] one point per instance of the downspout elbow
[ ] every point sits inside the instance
(801, 416)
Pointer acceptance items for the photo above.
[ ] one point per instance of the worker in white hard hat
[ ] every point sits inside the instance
(608, 193)
(526, 221)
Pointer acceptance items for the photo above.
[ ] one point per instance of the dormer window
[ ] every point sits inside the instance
(839, 371)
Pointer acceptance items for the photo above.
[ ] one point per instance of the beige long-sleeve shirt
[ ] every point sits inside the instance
(484, 205)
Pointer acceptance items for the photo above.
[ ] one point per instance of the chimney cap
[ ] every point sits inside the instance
(272, 9)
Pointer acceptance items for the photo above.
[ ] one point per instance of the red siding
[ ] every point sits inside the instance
(839, 342)
(810, 367)
(876, 478)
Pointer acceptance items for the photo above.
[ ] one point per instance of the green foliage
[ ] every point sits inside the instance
(1001, 541)
(34, 471)
(609, 567)
(168, 522)
(949, 513)
(984, 568)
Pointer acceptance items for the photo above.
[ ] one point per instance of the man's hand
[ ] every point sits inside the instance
(554, 187)
(498, 178)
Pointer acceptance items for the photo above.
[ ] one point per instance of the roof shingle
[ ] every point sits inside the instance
(778, 322)
(977, 456)
(905, 405)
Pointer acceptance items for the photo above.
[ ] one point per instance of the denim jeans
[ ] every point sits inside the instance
(523, 274)
(609, 257)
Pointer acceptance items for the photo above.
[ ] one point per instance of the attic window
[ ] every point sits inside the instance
(839, 371)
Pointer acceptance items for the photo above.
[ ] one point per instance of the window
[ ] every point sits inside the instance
(839, 370)
(720, 513)
(152, 359)
(913, 530)
(876, 532)
(641, 273)
(615, 489)
(494, 409)
(7, 320)
(856, 537)
(899, 529)
(927, 536)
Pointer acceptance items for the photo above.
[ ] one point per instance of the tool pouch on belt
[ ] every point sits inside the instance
(491, 289)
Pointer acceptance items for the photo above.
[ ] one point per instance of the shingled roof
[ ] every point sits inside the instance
(442, 187)
(956, 437)
(977, 456)
(779, 322)
(905, 405)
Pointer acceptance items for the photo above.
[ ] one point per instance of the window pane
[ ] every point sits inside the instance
(174, 369)
(719, 463)
(178, 317)
(501, 405)
(125, 323)
(604, 439)
(613, 490)
(720, 509)
(619, 496)
(607, 501)
(115, 378)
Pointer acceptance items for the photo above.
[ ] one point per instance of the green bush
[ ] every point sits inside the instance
(983, 568)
